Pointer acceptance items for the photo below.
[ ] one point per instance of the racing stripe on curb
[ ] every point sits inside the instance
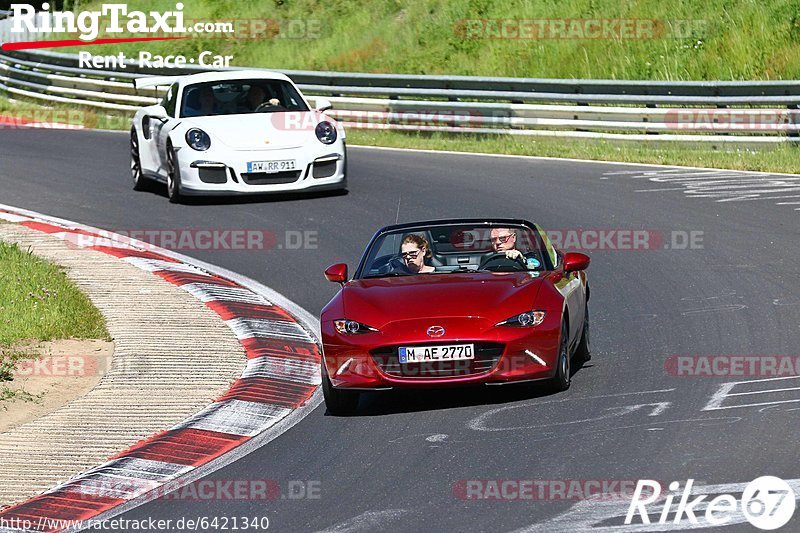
(281, 375)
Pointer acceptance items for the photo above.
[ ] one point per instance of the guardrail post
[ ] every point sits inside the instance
(793, 122)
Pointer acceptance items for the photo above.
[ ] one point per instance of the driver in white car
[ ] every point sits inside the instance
(257, 98)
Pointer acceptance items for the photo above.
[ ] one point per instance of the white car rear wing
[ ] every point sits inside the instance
(153, 81)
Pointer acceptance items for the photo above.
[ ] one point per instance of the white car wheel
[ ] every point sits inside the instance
(139, 181)
(173, 177)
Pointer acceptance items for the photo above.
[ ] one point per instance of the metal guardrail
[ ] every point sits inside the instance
(643, 110)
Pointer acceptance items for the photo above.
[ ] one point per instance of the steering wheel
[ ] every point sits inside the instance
(498, 262)
(263, 106)
(392, 264)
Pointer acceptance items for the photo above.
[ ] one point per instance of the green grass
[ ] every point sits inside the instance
(8, 395)
(781, 158)
(39, 303)
(22, 111)
(722, 40)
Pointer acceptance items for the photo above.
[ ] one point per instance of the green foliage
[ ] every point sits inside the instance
(711, 40)
(39, 303)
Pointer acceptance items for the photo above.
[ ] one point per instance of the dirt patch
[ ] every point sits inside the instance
(56, 373)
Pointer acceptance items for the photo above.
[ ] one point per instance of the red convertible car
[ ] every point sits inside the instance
(454, 302)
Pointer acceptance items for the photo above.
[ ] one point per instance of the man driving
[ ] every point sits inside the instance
(504, 240)
(257, 99)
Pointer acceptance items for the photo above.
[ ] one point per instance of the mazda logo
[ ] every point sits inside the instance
(435, 331)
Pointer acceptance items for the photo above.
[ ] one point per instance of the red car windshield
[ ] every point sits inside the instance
(454, 248)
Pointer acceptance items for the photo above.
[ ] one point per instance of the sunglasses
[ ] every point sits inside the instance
(410, 255)
(501, 238)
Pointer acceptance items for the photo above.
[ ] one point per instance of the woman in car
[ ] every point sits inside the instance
(414, 250)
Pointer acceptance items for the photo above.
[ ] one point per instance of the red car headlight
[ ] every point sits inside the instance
(524, 320)
(351, 327)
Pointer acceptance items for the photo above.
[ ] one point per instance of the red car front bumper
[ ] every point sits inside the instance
(503, 354)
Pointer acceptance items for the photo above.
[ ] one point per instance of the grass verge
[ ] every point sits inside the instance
(682, 39)
(781, 158)
(38, 303)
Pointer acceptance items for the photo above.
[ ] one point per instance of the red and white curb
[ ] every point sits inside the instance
(278, 387)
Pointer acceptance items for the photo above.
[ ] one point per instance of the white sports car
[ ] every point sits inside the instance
(235, 132)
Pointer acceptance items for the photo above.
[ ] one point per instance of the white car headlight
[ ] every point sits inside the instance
(198, 139)
(326, 132)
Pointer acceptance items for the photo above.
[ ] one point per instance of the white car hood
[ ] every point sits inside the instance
(260, 131)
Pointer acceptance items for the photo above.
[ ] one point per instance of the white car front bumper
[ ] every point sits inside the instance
(211, 173)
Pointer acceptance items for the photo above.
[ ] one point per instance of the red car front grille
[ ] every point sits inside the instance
(486, 356)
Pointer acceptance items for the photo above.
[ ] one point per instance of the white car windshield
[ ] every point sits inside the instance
(234, 97)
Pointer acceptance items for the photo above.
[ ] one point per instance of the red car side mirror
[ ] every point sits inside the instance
(574, 261)
(336, 273)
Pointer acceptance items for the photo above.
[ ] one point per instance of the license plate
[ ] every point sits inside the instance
(448, 352)
(271, 167)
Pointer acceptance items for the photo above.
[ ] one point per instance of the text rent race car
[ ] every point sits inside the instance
(454, 302)
(235, 132)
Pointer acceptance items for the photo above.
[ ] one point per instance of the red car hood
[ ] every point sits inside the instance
(490, 296)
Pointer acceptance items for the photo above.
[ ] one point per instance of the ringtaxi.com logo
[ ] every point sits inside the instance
(767, 502)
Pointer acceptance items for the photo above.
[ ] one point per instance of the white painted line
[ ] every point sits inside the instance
(480, 422)
(777, 402)
(724, 392)
(763, 391)
(718, 397)
(9, 217)
(155, 265)
(587, 161)
(765, 380)
(722, 186)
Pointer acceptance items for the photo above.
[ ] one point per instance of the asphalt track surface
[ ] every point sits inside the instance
(399, 463)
